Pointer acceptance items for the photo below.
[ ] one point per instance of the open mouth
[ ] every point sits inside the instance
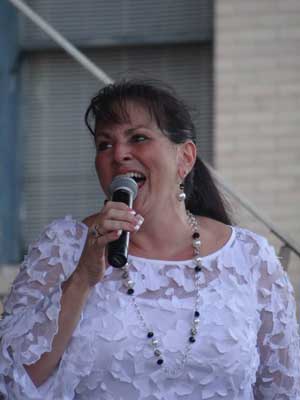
(138, 177)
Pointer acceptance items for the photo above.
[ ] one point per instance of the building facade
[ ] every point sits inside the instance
(257, 119)
(235, 62)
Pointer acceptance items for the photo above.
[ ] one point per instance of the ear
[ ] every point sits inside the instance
(187, 154)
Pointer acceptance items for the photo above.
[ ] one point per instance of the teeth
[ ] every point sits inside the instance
(134, 175)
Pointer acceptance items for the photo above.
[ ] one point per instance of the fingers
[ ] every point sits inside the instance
(106, 227)
(116, 225)
(102, 240)
(95, 230)
(118, 216)
(114, 218)
(117, 210)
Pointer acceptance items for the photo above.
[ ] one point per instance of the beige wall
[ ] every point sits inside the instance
(257, 109)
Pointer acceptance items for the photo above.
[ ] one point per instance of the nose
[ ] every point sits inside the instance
(121, 152)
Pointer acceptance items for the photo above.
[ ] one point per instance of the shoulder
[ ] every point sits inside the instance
(61, 241)
(63, 228)
(255, 243)
(221, 232)
(256, 247)
(250, 247)
(215, 228)
(53, 256)
(265, 264)
(214, 234)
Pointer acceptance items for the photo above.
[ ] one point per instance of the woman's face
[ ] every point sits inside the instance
(139, 147)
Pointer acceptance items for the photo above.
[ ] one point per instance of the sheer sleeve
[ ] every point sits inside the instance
(278, 377)
(31, 310)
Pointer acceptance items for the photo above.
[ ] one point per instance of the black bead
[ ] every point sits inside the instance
(160, 361)
(196, 314)
(192, 339)
(181, 186)
(150, 334)
(196, 235)
(198, 268)
(130, 291)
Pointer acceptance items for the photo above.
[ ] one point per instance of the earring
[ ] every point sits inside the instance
(181, 196)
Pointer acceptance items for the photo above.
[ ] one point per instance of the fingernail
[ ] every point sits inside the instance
(140, 219)
(139, 223)
(132, 212)
(119, 232)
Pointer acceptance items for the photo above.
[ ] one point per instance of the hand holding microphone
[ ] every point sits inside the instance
(122, 189)
(108, 232)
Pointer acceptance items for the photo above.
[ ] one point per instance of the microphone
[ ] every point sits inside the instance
(123, 189)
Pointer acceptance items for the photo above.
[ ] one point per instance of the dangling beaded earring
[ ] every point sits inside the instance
(181, 196)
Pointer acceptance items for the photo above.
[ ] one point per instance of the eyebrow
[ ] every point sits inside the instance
(128, 131)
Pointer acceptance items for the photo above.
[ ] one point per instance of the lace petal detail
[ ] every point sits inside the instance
(33, 304)
(247, 345)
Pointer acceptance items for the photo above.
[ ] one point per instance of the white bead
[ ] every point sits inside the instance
(193, 331)
(196, 321)
(130, 284)
(198, 260)
(155, 342)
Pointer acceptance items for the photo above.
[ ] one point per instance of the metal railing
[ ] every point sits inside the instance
(288, 244)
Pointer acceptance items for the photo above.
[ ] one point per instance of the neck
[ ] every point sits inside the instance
(164, 235)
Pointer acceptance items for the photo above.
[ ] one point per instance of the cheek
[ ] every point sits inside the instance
(102, 172)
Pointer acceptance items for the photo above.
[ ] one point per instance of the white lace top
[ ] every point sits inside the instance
(247, 346)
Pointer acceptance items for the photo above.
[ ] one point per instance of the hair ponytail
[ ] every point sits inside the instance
(203, 196)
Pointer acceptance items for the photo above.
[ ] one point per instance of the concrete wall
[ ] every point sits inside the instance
(257, 109)
(10, 155)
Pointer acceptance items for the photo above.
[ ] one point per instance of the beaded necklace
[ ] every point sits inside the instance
(149, 334)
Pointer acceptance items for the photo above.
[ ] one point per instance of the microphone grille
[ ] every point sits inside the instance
(125, 183)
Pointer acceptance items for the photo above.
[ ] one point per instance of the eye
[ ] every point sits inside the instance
(101, 146)
(139, 137)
